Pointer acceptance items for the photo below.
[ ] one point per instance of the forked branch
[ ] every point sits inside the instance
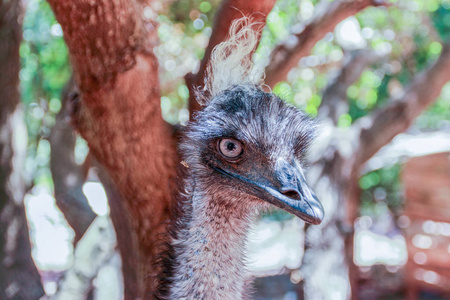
(327, 16)
(68, 176)
(334, 98)
(380, 128)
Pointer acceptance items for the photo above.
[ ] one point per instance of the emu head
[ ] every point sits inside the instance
(248, 143)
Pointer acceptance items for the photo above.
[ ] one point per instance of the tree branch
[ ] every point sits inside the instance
(228, 11)
(405, 146)
(327, 16)
(119, 114)
(68, 176)
(378, 129)
(112, 36)
(334, 98)
(126, 242)
(19, 277)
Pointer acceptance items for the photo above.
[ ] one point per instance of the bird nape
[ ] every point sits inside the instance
(242, 154)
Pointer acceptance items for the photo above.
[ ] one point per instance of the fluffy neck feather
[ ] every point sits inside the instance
(209, 250)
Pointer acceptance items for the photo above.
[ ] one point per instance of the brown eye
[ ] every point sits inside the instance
(230, 148)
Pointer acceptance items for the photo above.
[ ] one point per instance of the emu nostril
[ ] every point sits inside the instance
(291, 194)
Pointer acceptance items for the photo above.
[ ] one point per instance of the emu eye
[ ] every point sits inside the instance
(230, 148)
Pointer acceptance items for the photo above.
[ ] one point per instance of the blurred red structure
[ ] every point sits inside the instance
(426, 223)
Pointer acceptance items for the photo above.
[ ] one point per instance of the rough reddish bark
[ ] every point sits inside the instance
(229, 10)
(68, 176)
(326, 17)
(119, 113)
(19, 278)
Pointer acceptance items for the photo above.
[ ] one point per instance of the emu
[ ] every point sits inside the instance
(241, 154)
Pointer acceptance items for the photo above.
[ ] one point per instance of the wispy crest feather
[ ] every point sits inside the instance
(231, 61)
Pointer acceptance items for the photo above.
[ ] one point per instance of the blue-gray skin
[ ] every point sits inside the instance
(242, 154)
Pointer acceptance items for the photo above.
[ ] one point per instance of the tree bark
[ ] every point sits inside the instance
(126, 242)
(331, 252)
(324, 265)
(68, 176)
(119, 114)
(19, 278)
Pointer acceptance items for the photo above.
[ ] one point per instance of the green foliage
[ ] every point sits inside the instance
(410, 44)
(409, 34)
(381, 186)
(188, 12)
(394, 31)
(441, 20)
(438, 114)
(45, 68)
(184, 33)
(402, 33)
(280, 19)
(44, 71)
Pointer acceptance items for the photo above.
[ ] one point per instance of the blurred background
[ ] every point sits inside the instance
(401, 240)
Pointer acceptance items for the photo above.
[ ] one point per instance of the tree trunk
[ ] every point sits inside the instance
(19, 278)
(119, 114)
(324, 265)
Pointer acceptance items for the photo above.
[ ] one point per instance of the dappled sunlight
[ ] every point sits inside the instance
(372, 248)
(51, 236)
(52, 240)
(50, 233)
(96, 196)
(275, 245)
(348, 34)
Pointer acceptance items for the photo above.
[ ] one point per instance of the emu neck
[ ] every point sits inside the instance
(209, 252)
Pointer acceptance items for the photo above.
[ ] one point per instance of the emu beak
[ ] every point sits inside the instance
(294, 194)
(287, 190)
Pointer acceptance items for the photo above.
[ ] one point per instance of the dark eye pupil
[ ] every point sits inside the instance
(231, 146)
